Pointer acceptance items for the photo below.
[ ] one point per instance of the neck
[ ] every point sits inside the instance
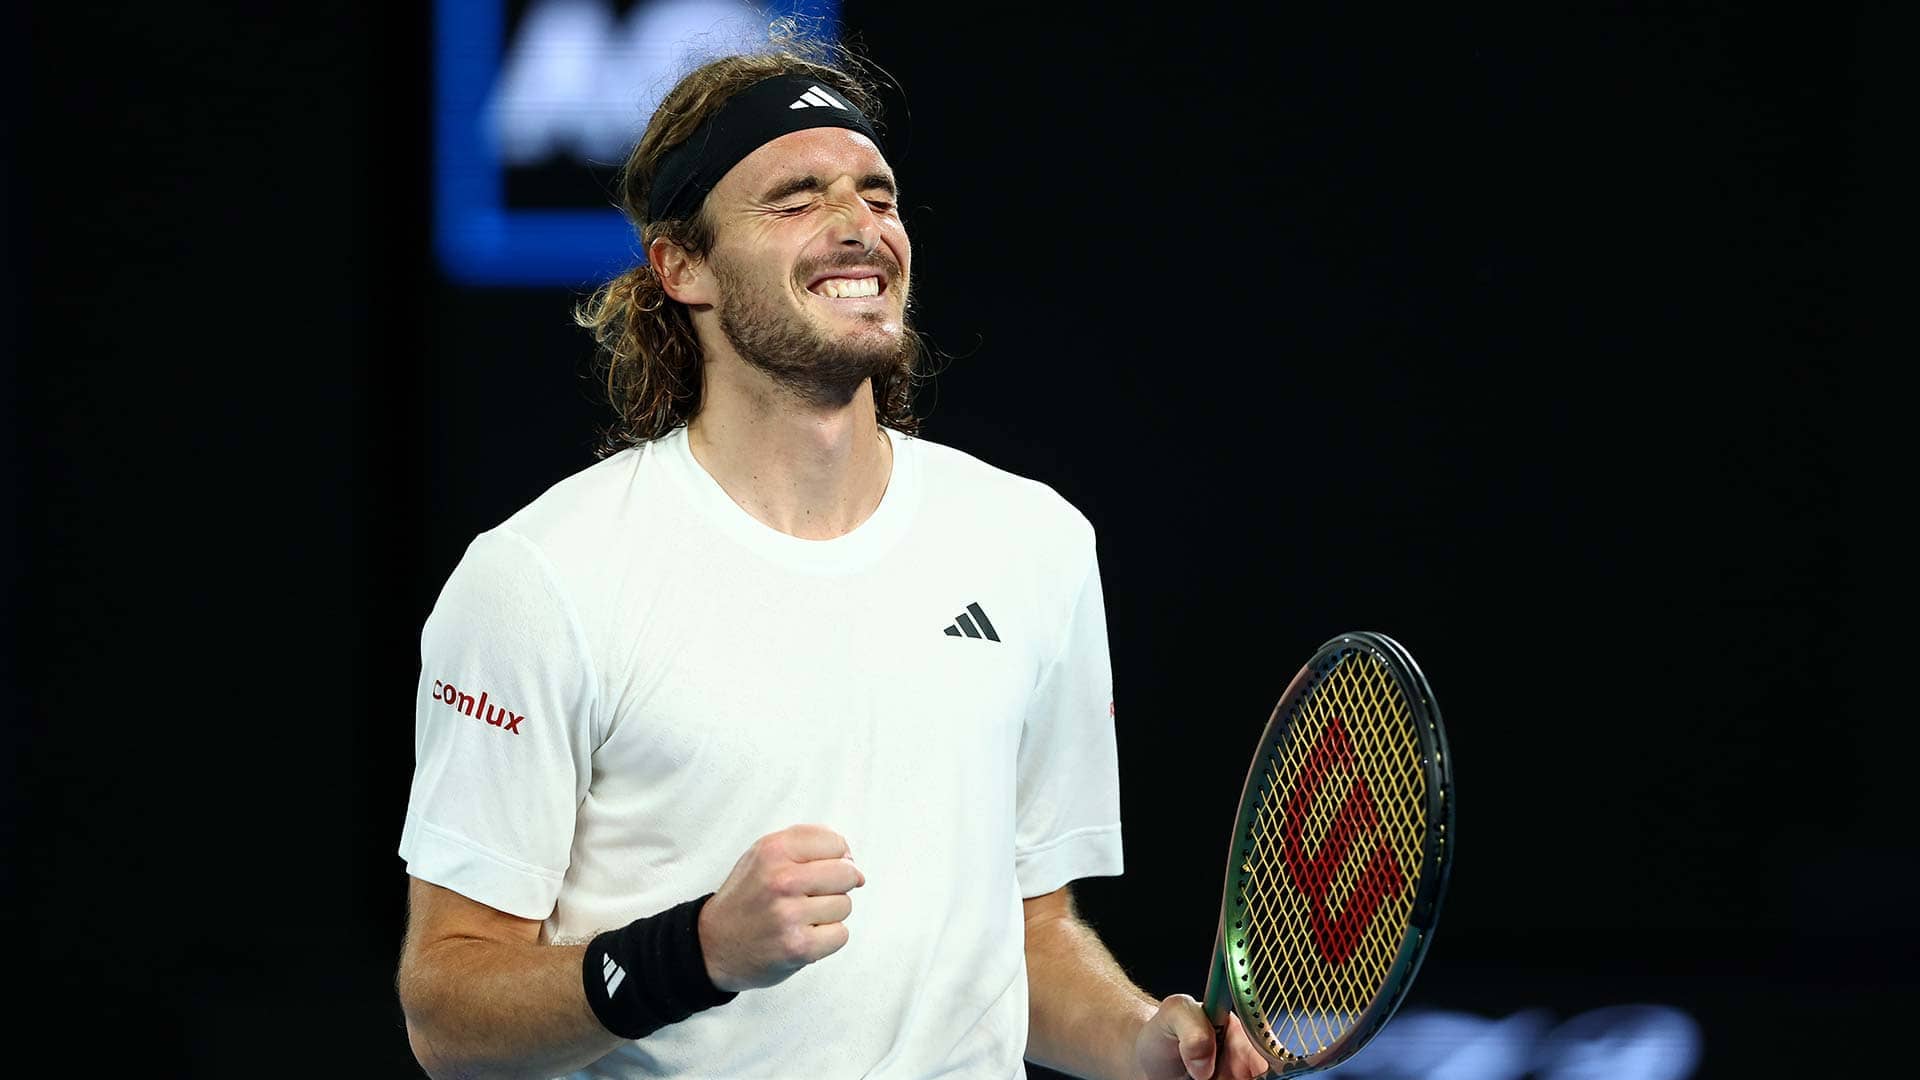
(811, 472)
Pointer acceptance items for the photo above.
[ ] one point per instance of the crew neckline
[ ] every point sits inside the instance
(862, 546)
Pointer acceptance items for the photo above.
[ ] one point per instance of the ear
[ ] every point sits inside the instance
(684, 277)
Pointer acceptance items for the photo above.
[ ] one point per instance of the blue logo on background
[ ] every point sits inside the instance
(573, 82)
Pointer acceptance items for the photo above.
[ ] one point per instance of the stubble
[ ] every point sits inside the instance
(820, 370)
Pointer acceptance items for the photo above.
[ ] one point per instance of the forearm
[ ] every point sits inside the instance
(481, 1009)
(1083, 1012)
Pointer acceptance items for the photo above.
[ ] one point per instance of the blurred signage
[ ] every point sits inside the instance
(536, 104)
(1620, 1042)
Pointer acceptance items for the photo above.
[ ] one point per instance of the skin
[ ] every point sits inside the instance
(789, 429)
(808, 460)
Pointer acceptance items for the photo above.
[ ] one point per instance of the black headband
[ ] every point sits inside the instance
(749, 120)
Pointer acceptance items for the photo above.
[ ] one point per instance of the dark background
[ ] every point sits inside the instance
(1548, 344)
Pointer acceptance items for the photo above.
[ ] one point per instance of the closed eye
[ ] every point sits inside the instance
(786, 189)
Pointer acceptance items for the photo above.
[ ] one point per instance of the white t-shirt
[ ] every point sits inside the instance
(632, 679)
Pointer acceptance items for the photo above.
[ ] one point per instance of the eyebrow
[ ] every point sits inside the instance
(797, 184)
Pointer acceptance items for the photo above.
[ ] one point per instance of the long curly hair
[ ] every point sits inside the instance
(648, 355)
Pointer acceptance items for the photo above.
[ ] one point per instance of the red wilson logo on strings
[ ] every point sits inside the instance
(1313, 871)
(494, 714)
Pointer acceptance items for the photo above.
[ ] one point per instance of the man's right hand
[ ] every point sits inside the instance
(784, 906)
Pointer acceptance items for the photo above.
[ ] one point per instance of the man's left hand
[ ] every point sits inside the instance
(1178, 1043)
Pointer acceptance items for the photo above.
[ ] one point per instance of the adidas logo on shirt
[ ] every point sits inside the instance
(972, 623)
(816, 98)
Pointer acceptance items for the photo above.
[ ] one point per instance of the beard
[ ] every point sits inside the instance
(821, 371)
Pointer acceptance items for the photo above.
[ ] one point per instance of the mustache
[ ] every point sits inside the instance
(877, 259)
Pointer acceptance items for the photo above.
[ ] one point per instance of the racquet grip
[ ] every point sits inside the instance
(1219, 1048)
(1216, 1003)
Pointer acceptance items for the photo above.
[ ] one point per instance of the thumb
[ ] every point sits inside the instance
(1196, 1052)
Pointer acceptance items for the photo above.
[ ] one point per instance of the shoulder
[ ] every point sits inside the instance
(560, 541)
(1017, 532)
(583, 500)
(958, 482)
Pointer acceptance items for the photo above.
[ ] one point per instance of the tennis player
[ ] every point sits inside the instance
(770, 744)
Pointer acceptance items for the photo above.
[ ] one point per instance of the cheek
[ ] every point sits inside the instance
(902, 247)
(751, 279)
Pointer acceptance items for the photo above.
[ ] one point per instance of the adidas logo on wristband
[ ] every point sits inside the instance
(671, 983)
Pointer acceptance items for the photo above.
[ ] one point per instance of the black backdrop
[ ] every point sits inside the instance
(1541, 342)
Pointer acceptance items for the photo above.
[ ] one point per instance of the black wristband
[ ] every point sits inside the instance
(650, 973)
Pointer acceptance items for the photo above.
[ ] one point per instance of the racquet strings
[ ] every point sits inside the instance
(1332, 856)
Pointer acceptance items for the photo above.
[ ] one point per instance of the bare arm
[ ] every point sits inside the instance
(1083, 1011)
(1085, 1017)
(483, 998)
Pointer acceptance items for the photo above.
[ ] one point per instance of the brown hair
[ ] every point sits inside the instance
(648, 353)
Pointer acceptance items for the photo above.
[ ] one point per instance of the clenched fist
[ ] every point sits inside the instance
(784, 906)
(1179, 1043)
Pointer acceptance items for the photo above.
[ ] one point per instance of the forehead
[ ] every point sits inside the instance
(825, 152)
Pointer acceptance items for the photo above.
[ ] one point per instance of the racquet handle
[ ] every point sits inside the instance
(1215, 1004)
(1219, 1049)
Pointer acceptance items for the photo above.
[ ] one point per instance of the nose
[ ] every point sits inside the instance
(856, 224)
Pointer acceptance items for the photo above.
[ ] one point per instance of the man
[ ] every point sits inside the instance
(770, 744)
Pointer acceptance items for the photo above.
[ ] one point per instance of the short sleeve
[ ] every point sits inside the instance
(1067, 822)
(503, 731)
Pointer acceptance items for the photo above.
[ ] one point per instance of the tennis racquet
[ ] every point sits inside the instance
(1340, 854)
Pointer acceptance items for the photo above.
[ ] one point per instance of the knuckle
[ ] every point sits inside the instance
(818, 832)
(794, 947)
(786, 914)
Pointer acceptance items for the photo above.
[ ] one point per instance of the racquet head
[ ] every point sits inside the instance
(1339, 859)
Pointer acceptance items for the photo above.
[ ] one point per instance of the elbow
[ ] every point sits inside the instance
(432, 1060)
(438, 1064)
(423, 1053)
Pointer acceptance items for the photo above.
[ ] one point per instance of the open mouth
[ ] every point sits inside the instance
(858, 286)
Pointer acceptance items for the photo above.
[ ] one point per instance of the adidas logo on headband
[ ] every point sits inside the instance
(817, 98)
(747, 120)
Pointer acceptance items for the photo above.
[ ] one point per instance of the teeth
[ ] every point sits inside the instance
(846, 288)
